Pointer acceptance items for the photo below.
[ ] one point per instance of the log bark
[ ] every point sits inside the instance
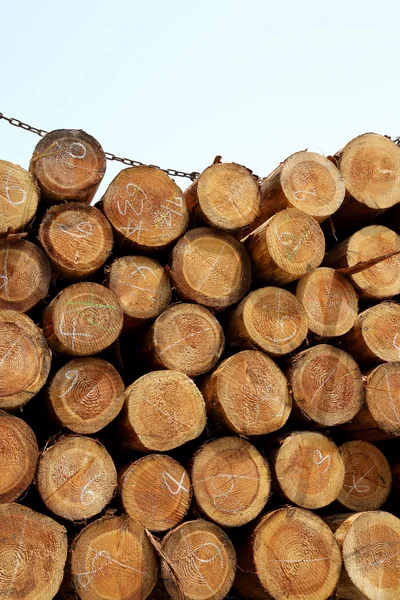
(77, 239)
(25, 275)
(290, 553)
(198, 561)
(33, 550)
(225, 196)
(247, 394)
(19, 197)
(378, 281)
(24, 359)
(112, 558)
(231, 481)
(76, 477)
(327, 386)
(156, 491)
(368, 478)
(270, 319)
(86, 394)
(308, 470)
(142, 287)
(83, 319)
(68, 165)
(146, 209)
(330, 301)
(286, 247)
(186, 338)
(210, 267)
(19, 454)
(162, 411)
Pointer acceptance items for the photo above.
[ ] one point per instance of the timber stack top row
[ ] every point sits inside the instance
(200, 391)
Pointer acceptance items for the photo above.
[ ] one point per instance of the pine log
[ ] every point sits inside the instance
(270, 319)
(231, 481)
(142, 287)
(68, 165)
(83, 319)
(19, 454)
(156, 491)
(327, 385)
(381, 280)
(330, 301)
(162, 411)
(33, 551)
(113, 558)
(368, 478)
(210, 267)
(19, 197)
(375, 335)
(77, 239)
(198, 562)
(291, 554)
(225, 196)
(86, 394)
(308, 469)
(25, 275)
(146, 209)
(286, 247)
(76, 477)
(186, 338)
(24, 359)
(247, 394)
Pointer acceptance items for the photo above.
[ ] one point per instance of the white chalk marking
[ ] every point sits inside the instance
(212, 266)
(319, 459)
(4, 276)
(217, 495)
(84, 579)
(11, 348)
(133, 227)
(87, 496)
(323, 383)
(300, 560)
(84, 229)
(195, 561)
(190, 335)
(17, 559)
(73, 376)
(363, 489)
(9, 187)
(179, 484)
(280, 323)
(254, 411)
(301, 195)
(135, 194)
(171, 418)
(392, 402)
(395, 342)
(72, 335)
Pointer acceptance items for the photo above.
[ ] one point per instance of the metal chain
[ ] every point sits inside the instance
(109, 155)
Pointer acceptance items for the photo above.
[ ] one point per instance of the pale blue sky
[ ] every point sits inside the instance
(174, 83)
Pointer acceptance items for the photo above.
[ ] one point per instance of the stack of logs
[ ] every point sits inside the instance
(200, 391)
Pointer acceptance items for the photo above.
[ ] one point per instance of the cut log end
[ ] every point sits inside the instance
(199, 562)
(156, 491)
(86, 394)
(231, 481)
(112, 558)
(76, 478)
(19, 197)
(382, 396)
(211, 268)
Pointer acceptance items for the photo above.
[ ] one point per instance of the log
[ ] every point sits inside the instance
(19, 197)
(327, 386)
(231, 481)
(83, 319)
(198, 561)
(76, 477)
(77, 239)
(142, 287)
(225, 196)
(290, 553)
(374, 337)
(286, 247)
(210, 267)
(186, 338)
(86, 394)
(146, 209)
(162, 411)
(308, 469)
(19, 454)
(33, 550)
(25, 275)
(330, 301)
(112, 558)
(381, 280)
(156, 491)
(270, 319)
(368, 478)
(24, 359)
(68, 165)
(247, 394)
